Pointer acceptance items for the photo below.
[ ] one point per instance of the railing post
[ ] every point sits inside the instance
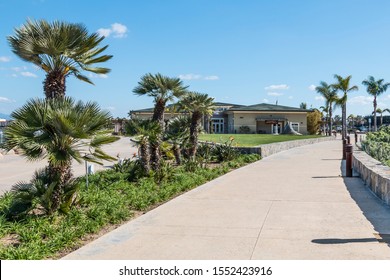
(348, 162)
(348, 139)
(344, 143)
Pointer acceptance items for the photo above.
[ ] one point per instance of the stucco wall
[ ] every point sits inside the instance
(375, 175)
(249, 119)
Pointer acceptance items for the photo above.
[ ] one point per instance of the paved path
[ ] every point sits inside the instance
(15, 168)
(292, 205)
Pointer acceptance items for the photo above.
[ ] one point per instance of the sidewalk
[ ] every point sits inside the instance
(292, 205)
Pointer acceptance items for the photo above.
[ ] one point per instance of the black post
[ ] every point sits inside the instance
(348, 139)
(344, 143)
(348, 162)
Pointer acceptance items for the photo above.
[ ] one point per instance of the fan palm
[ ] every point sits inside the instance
(328, 92)
(343, 85)
(162, 89)
(198, 105)
(375, 88)
(145, 131)
(60, 49)
(60, 131)
(177, 133)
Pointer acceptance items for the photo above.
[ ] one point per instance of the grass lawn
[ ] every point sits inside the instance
(252, 140)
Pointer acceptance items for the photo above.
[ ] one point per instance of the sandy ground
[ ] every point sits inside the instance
(15, 168)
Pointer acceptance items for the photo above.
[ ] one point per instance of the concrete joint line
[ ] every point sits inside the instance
(261, 229)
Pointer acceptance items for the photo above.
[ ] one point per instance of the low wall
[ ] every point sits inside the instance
(270, 149)
(375, 175)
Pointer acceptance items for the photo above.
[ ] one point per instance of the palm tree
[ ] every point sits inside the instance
(375, 88)
(328, 92)
(146, 131)
(198, 105)
(60, 49)
(162, 89)
(59, 130)
(351, 120)
(343, 85)
(177, 133)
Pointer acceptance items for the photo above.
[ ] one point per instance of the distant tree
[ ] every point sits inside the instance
(343, 85)
(303, 105)
(60, 49)
(375, 88)
(328, 92)
(314, 121)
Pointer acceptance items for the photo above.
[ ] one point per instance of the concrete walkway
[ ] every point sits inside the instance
(292, 205)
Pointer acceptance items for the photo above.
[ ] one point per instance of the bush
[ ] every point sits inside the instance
(244, 129)
(377, 145)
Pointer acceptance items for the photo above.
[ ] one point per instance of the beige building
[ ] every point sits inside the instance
(233, 118)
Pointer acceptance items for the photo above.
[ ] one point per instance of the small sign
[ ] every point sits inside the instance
(271, 122)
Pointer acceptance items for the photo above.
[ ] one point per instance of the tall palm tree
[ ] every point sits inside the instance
(59, 130)
(343, 85)
(145, 132)
(60, 49)
(375, 88)
(328, 92)
(198, 105)
(162, 89)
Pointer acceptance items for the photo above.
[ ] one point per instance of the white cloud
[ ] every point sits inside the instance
(14, 75)
(198, 77)
(274, 94)
(312, 87)
(211, 78)
(361, 100)
(28, 74)
(265, 100)
(18, 69)
(117, 30)
(103, 76)
(6, 100)
(291, 97)
(5, 59)
(318, 97)
(104, 32)
(277, 87)
(95, 76)
(111, 108)
(190, 76)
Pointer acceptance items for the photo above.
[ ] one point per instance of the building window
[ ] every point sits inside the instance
(217, 125)
(295, 126)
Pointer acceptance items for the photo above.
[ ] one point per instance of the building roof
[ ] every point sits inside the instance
(268, 108)
(216, 104)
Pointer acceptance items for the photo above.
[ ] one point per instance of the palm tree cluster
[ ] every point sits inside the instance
(343, 85)
(180, 131)
(58, 128)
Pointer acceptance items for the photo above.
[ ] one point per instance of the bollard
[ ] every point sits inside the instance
(344, 143)
(348, 162)
(356, 138)
(348, 139)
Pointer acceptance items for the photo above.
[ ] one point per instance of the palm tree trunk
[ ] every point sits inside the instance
(344, 121)
(375, 128)
(158, 113)
(54, 85)
(196, 117)
(145, 157)
(330, 119)
(155, 154)
(176, 152)
(61, 176)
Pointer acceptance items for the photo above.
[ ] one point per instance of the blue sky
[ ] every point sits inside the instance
(240, 51)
